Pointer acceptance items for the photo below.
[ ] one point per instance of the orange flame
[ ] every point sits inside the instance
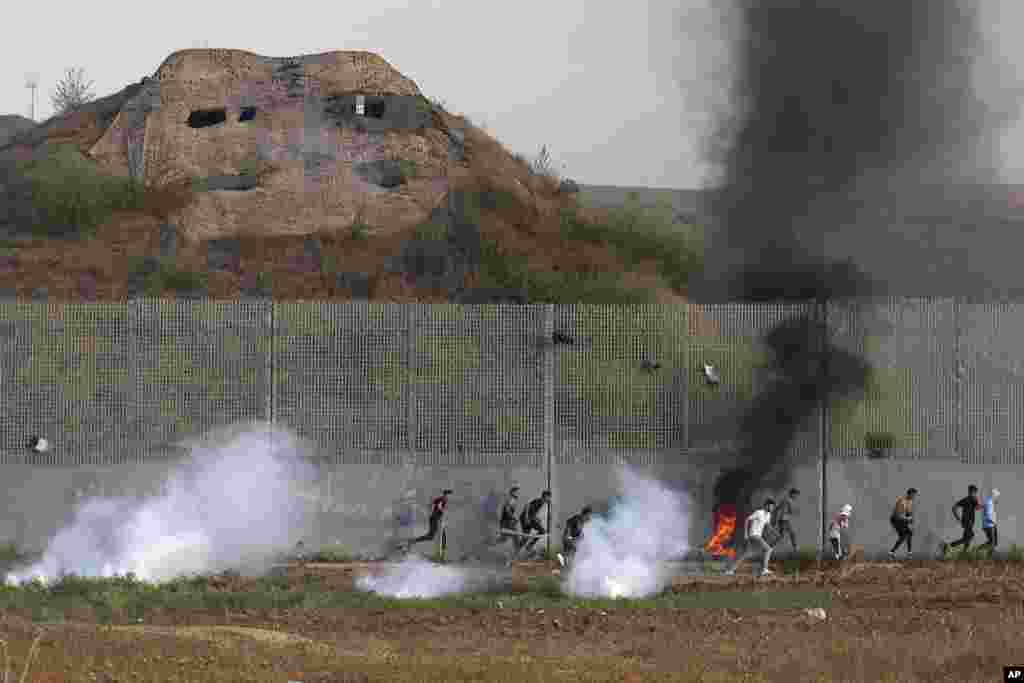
(725, 525)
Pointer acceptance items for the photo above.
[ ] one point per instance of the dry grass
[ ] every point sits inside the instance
(921, 621)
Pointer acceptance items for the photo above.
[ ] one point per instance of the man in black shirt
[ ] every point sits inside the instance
(967, 507)
(573, 534)
(529, 521)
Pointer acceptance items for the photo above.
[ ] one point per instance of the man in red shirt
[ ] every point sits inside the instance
(437, 510)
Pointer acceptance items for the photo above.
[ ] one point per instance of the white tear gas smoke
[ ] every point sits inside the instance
(230, 505)
(416, 577)
(622, 554)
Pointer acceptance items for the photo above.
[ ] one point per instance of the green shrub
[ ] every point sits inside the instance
(248, 167)
(642, 233)
(168, 277)
(408, 167)
(432, 231)
(73, 195)
(1015, 553)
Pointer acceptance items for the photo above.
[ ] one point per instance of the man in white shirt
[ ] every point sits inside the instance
(752, 533)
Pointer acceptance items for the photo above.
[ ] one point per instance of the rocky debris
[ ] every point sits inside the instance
(254, 286)
(444, 262)
(385, 173)
(568, 186)
(311, 258)
(12, 124)
(88, 286)
(456, 145)
(357, 283)
(9, 263)
(18, 211)
(230, 182)
(168, 240)
(140, 274)
(816, 614)
(224, 254)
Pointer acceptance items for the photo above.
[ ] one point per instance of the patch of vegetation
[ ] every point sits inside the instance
(638, 233)
(128, 597)
(248, 167)
(1015, 553)
(408, 167)
(72, 195)
(502, 269)
(167, 277)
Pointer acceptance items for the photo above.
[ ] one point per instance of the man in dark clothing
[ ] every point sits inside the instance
(437, 510)
(783, 518)
(508, 522)
(573, 534)
(967, 507)
(529, 520)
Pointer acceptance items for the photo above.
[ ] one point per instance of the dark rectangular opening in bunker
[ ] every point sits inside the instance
(203, 118)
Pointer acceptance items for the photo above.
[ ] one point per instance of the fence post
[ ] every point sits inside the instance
(823, 426)
(548, 358)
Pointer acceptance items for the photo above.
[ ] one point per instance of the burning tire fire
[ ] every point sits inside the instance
(725, 528)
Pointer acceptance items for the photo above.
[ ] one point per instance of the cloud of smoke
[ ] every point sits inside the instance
(623, 553)
(416, 577)
(231, 505)
(858, 158)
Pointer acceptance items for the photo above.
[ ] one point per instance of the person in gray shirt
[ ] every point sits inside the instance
(783, 518)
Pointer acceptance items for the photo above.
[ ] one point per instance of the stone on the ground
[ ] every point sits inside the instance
(224, 254)
(357, 283)
(386, 173)
(168, 240)
(230, 182)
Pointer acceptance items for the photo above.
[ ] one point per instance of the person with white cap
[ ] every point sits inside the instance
(835, 530)
(988, 521)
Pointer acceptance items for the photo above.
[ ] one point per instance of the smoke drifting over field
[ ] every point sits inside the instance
(622, 554)
(230, 506)
(858, 159)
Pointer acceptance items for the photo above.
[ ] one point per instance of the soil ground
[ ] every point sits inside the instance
(900, 621)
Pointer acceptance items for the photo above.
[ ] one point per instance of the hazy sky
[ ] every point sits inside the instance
(621, 92)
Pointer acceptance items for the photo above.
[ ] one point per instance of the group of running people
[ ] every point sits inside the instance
(523, 527)
(902, 520)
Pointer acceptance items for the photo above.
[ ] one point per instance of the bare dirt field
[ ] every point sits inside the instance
(916, 621)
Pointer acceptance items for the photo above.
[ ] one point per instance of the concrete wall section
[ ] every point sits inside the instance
(873, 486)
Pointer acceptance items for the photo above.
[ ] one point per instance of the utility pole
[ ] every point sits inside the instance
(32, 82)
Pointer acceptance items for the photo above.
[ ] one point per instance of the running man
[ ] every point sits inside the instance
(508, 521)
(573, 534)
(753, 529)
(529, 520)
(988, 521)
(968, 506)
(902, 520)
(783, 517)
(437, 509)
(835, 530)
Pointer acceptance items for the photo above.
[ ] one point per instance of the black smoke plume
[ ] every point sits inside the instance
(847, 116)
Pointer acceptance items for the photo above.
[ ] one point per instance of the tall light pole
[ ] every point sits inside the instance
(32, 82)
